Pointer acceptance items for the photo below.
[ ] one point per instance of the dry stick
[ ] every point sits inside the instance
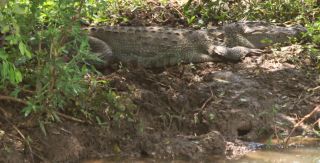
(208, 100)
(276, 133)
(318, 121)
(316, 109)
(205, 103)
(27, 91)
(149, 79)
(9, 98)
(70, 118)
(314, 89)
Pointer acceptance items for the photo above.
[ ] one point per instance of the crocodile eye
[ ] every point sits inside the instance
(93, 29)
(190, 31)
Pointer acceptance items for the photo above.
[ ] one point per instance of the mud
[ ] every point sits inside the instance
(186, 111)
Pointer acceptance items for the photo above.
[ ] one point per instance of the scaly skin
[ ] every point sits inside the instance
(160, 46)
(258, 34)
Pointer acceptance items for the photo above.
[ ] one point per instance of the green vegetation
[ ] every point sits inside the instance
(217, 11)
(38, 29)
(314, 35)
(44, 59)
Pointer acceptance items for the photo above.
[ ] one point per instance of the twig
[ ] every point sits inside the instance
(208, 100)
(9, 98)
(276, 133)
(158, 82)
(180, 14)
(314, 89)
(27, 91)
(70, 118)
(318, 121)
(4, 113)
(316, 109)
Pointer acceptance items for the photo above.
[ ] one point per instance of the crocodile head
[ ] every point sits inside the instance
(259, 34)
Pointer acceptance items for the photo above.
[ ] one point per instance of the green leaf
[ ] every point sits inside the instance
(16, 92)
(42, 127)
(12, 74)
(3, 55)
(18, 75)
(28, 109)
(4, 69)
(5, 28)
(28, 53)
(18, 10)
(23, 50)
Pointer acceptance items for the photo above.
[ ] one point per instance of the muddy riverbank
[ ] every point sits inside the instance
(186, 111)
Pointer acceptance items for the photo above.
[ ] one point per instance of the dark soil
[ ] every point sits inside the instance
(186, 111)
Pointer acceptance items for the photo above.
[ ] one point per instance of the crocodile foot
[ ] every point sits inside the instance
(235, 53)
(255, 52)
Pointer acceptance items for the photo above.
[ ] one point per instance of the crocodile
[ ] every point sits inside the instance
(151, 47)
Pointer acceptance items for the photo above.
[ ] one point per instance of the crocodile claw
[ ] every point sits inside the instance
(255, 51)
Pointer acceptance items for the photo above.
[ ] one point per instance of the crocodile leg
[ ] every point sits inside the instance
(235, 53)
(102, 50)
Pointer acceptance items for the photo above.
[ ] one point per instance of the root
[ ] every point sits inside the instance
(315, 110)
(9, 98)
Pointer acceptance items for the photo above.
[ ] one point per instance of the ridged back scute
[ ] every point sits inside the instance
(138, 44)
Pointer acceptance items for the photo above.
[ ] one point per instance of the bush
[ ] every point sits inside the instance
(219, 11)
(313, 33)
(44, 46)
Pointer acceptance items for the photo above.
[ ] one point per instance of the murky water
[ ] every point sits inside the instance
(295, 155)
(307, 150)
(292, 155)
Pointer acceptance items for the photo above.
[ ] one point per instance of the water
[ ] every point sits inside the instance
(294, 155)
(306, 151)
